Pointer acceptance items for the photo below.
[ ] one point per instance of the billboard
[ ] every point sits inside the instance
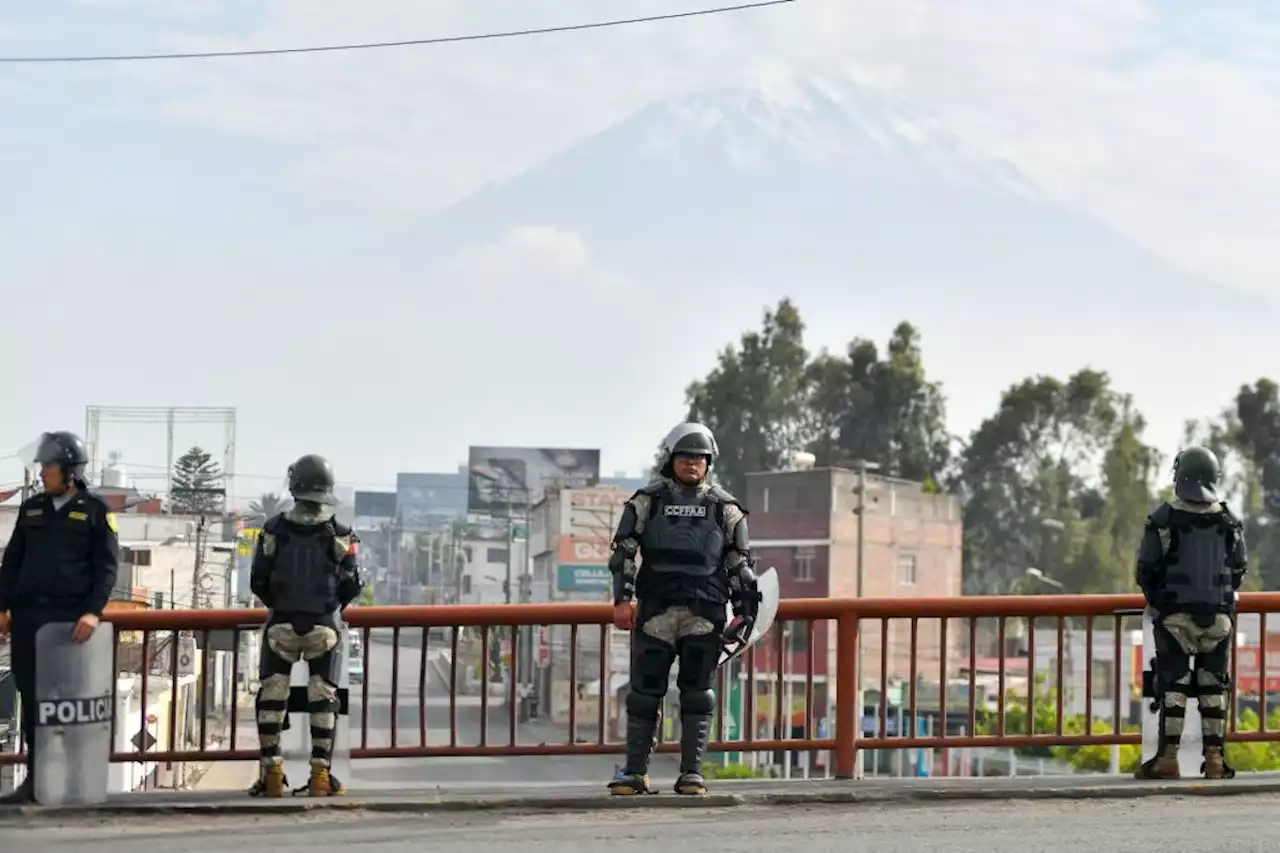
(430, 501)
(588, 519)
(375, 505)
(506, 480)
(582, 566)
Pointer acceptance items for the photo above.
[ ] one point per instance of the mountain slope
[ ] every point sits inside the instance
(818, 180)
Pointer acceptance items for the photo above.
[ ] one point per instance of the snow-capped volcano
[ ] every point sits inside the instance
(850, 129)
(822, 187)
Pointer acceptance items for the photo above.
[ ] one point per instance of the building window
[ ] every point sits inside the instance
(157, 601)
(496, 555)
(796, 637)
(907, 568)
(141, 558)
(802, 564)
(466, 584)
(1102, 687)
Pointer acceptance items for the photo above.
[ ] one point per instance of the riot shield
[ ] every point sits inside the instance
(770, 594)
(74, 705)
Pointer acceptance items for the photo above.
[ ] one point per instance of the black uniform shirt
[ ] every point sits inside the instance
(60, 560)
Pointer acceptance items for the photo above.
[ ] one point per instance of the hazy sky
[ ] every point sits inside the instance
(213, 233)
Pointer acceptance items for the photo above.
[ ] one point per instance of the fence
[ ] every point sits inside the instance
(795, 692)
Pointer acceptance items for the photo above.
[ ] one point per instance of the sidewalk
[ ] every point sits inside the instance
(226, 776)
(726, 794)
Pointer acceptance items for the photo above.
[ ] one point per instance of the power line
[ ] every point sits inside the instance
(594, 25)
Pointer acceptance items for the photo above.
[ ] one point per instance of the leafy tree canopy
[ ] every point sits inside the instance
(1059, 477)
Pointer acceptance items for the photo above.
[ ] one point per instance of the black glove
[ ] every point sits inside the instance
(744, 596)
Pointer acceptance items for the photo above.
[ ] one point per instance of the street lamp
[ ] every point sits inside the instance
(863, 466)
(1044, 579)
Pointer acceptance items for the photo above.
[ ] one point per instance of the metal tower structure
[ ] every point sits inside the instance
(95, 416)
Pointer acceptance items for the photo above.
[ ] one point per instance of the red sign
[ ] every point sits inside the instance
(544, 648)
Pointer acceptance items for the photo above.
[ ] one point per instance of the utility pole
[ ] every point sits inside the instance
(26, 483)
(862, 466)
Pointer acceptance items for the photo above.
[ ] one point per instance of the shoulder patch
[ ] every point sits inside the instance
(112, 524)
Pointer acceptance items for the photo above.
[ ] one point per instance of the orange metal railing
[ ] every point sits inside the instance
(786, 685)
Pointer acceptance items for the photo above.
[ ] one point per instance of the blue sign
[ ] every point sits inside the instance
(575, 578)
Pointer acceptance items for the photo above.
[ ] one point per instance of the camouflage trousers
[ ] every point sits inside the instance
(283, 648)
(1179, 641)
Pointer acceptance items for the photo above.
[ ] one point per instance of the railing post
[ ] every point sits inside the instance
(848, 714)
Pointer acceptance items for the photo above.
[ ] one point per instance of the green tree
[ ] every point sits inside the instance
(267, 506)
(1059, 478)
(884, 410)
(197, 484)
(365, 599)
(755, 400)
(1252, 429)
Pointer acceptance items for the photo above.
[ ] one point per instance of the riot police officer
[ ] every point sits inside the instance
(60, 566)
(305, 572)
(1191, 561)
(696, 557)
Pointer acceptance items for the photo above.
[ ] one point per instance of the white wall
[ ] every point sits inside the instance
(172, 570)
(487, 576)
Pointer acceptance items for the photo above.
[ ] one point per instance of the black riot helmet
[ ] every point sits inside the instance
(311, 480)
(1195, 475)
(67, 452)
(688, 439)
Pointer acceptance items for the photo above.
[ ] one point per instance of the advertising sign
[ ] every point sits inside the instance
(506, 480)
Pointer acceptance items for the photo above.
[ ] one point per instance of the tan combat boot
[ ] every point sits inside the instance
(1215, 764)
(1163, 766)
(323, 784)
(273, 781)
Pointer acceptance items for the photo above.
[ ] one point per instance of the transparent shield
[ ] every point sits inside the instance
(770, 594)
(73, 709)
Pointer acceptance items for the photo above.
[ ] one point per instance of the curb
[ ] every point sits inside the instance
(587, 803)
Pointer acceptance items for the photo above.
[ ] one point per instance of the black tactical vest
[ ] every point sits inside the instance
(304, 580)
(684, 533)
(1197, 579)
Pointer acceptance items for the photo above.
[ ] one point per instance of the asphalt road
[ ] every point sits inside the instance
(1244, 824)
(455, 772)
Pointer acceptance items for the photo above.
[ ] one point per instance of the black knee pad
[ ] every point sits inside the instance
(699, 702)
(643, 706)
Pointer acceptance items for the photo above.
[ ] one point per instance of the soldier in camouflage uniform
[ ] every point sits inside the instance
(1191, 561)
(692, 537)
(305, 571)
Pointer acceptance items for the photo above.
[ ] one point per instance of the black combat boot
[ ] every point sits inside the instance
(24, 794)
(695, 731)
(633, 777)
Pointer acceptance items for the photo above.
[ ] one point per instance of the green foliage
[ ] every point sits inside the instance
(267, 506)
(1244, 757)
(1060, 477)
(711, 770)
(365, 599)
(197, 484)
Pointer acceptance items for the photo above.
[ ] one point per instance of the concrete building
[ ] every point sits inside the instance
(804, 525)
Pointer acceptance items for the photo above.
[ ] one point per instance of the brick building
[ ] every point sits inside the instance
(803, 525)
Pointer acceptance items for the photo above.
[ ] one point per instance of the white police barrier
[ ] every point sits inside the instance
(295, 741)
(1190, 754)
(73, 710)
